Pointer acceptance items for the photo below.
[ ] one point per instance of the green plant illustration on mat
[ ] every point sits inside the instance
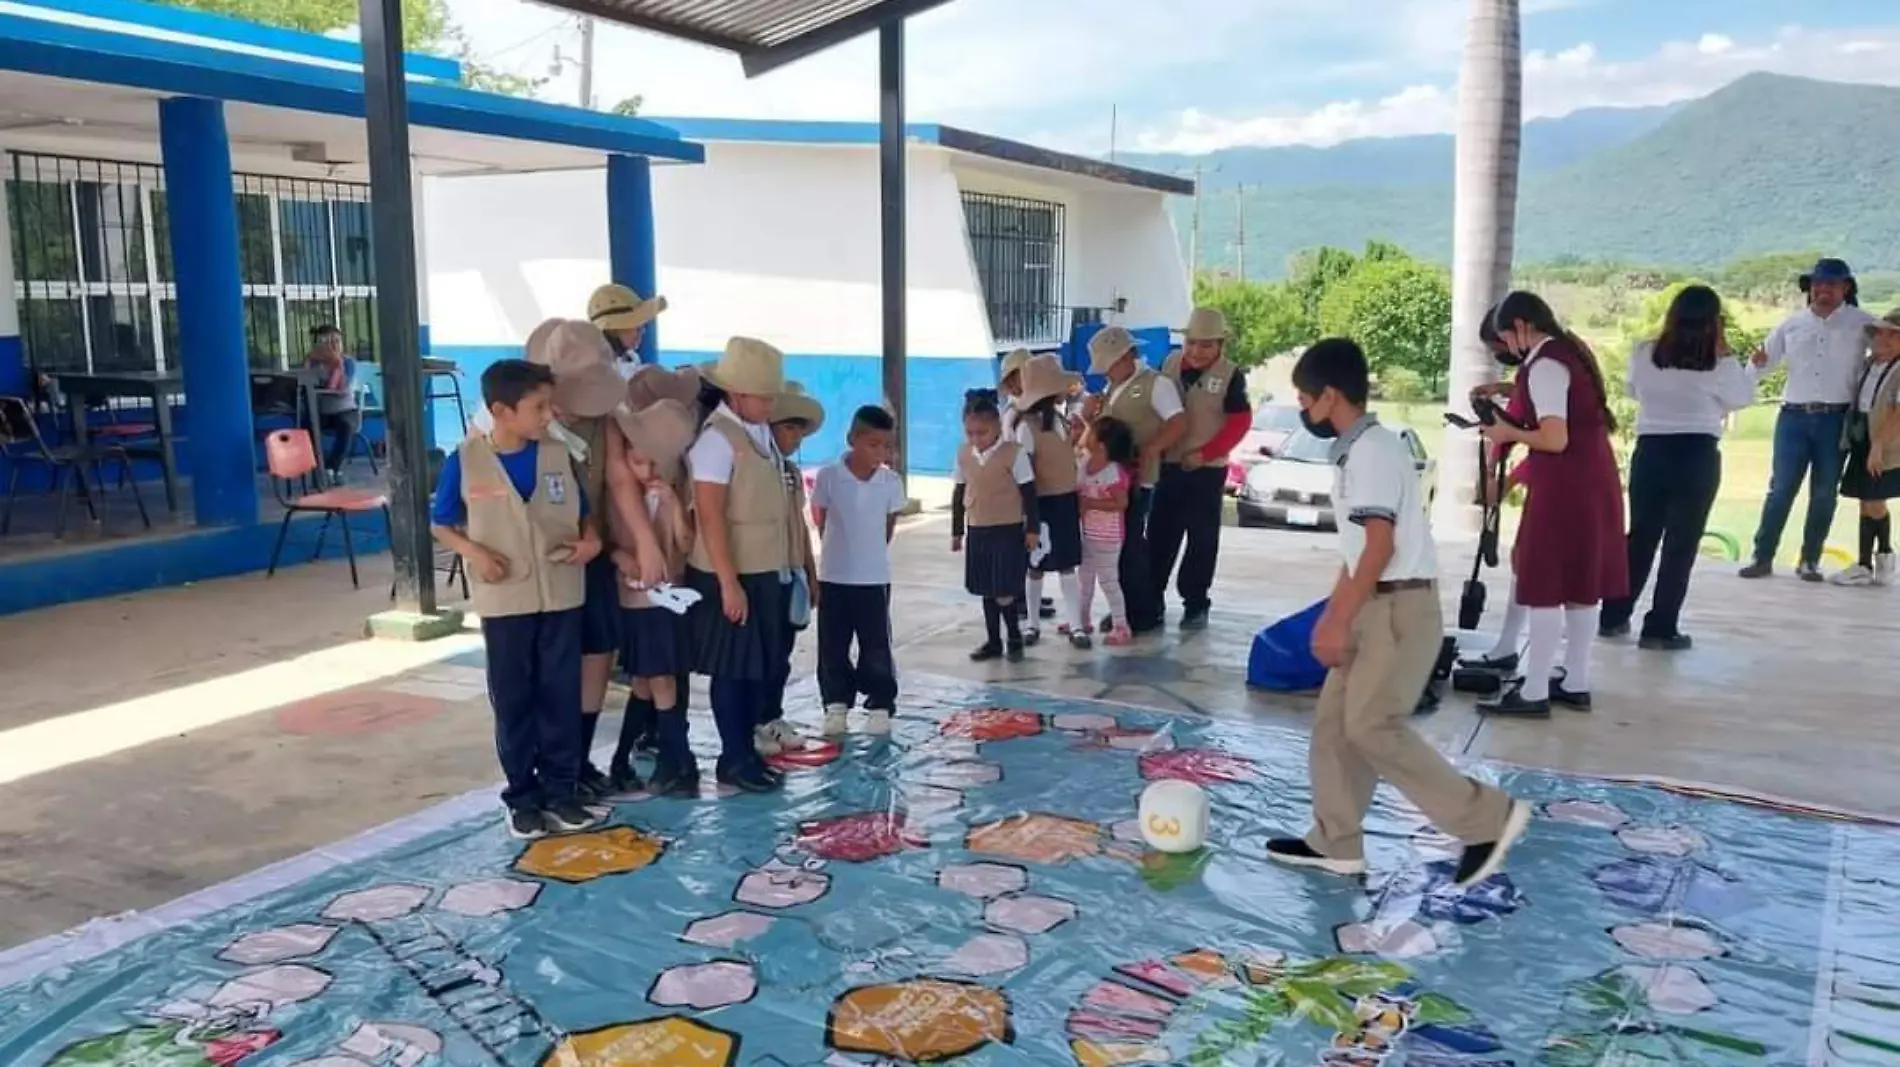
(1369, 1005)
(1611, 1020)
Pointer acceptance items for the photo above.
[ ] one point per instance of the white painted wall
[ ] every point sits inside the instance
(781, 242)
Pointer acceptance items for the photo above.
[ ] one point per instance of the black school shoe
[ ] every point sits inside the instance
(593, 785)
(623, 783)
(1669, 643)
(1501, 664)
(1014, 650)
(1479, 862)
(1194, 619)
(568, 816)
(1512, 704)
(754, 777)
(986, 651)
(1575, 701)
(1047, 609)
(1032, 637)
(1294, 852)
(674, 781)
(1613, 630)
(526, 824)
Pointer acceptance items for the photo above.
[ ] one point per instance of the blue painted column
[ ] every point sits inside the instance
(219, 452)
(13, 375)
(630, 249)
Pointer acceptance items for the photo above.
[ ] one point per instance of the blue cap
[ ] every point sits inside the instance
(1827, 270)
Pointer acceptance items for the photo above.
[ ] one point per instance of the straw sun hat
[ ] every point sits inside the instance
(749, 367)
(662, 431)
(796, 404)
(616, 307)
(585, 381)
(1108, 346)
(1012, 363)
(1043, 377)
(1889, 321)
(652, 383)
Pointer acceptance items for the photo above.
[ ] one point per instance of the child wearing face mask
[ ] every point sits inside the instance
(1571, 551)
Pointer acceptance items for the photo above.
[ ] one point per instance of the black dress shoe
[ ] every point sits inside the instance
(1613, 629)
(1194, 619)
(986, 651)
(1014, 651)
(1502, 664)
(752, 778)
(1670, 643)
(1512, 704)
(1568, 698)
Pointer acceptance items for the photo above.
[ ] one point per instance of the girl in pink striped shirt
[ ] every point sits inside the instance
(1103, 481)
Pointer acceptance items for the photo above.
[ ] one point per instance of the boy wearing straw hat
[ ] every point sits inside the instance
(1044, 434)
(741, 559)
(586, 390)
(1150, 406)
(510, 503)
(657, 650)
(623, 315)
(1193, 484)
(795, 417)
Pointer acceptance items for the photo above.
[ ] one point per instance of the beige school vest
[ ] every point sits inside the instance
(756, 507)
(673, 550)
(799, 522)
(593, 434)
(526, 532)
(1134, 406)
(990, 494)
(1203, 405)
(1054, 462)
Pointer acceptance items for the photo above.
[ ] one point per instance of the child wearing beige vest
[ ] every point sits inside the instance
(511, 504)
(795, 416)
(656, 648)
(741, 560)
(1044, 433)
(994, 507)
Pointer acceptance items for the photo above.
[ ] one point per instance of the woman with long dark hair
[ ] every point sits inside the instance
(1570, 554)
(1686, 382)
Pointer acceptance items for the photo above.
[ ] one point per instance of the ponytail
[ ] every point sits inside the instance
(1526, 307)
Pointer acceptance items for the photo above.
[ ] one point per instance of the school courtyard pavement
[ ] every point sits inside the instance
(153, 745)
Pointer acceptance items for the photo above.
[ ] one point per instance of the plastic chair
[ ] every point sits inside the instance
(292, 459)
(21, 443)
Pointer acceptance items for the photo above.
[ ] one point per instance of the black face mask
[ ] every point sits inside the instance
(1510, 358)
(1322, 429)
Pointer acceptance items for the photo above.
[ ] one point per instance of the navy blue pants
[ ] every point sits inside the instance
(860, 613)
(534, 683)
(772, 693)
(1136, 566)
(737, 704)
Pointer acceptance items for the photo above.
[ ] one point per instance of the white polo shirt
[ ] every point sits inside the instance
(1375, 477)
(857, 513)
(1824, 355)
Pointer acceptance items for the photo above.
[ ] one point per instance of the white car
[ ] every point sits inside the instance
(1294, 486)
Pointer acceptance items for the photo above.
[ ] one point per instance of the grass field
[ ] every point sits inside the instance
(1746, 459)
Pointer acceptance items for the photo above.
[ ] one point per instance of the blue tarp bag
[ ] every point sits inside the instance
(1282, 657)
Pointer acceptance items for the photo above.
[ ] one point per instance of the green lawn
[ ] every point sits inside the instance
(1746, 452)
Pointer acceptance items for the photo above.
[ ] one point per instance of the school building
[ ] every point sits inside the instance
(185, 196)
(776, 236)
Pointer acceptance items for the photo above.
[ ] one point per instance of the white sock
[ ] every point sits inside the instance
(1580, 630)
(1513, 629)
(1071, 593)
(1035, 601)
(1547, 632)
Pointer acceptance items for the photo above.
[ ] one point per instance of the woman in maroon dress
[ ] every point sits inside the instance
(1570, 554)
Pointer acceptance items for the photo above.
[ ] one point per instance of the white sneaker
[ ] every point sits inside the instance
(765, 739)
(837, 720)
(1856, 575)
(877, 721)
(1883, 568)
(789, 739)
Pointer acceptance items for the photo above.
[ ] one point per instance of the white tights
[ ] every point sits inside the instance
(1100, 563)
(1574, 628)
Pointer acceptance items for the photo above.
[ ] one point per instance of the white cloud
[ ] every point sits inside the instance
(1554, 84)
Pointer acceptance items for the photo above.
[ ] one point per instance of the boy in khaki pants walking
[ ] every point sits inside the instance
(1380, 635)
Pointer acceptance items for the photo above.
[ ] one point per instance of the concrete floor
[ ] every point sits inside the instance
(156, 744)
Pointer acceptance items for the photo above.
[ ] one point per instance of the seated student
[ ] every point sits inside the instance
(795, 416)
(856, 503)
(657, 649)
(337, 414)
(1379, 636)
(515, 512)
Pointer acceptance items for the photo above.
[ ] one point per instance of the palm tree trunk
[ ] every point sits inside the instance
(1490, 126)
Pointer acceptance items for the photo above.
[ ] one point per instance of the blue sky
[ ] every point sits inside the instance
(1198, 75)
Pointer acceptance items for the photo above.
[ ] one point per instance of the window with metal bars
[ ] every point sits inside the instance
(91, 242)
(1017, 245)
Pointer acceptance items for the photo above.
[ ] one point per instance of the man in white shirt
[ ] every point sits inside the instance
(1379, 636)
(856, 502)
(1823, 345)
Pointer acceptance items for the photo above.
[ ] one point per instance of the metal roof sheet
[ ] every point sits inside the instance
(765, 33)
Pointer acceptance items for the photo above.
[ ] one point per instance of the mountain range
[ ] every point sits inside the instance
(1765, 164)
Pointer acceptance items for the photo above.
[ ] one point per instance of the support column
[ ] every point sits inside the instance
(392, 213)
(13, 375)
(419, 187)
(632, 257)
(890, 71)
(219, 452)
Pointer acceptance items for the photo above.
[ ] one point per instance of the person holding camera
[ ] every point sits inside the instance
(1570, 554)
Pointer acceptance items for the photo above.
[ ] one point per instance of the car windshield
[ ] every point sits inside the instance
(1303, 447)
(1280, 418)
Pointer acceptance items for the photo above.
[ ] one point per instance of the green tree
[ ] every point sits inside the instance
(1265, 318)
(1399, 310)
(1767, 279)
(1315, 271)
(629, 106)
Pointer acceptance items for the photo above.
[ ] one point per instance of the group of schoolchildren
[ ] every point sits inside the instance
(654, 521)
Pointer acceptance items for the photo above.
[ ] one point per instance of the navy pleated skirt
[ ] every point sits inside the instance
(995, 561)
(1062, 517)
(752, 651)
(656, 643)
